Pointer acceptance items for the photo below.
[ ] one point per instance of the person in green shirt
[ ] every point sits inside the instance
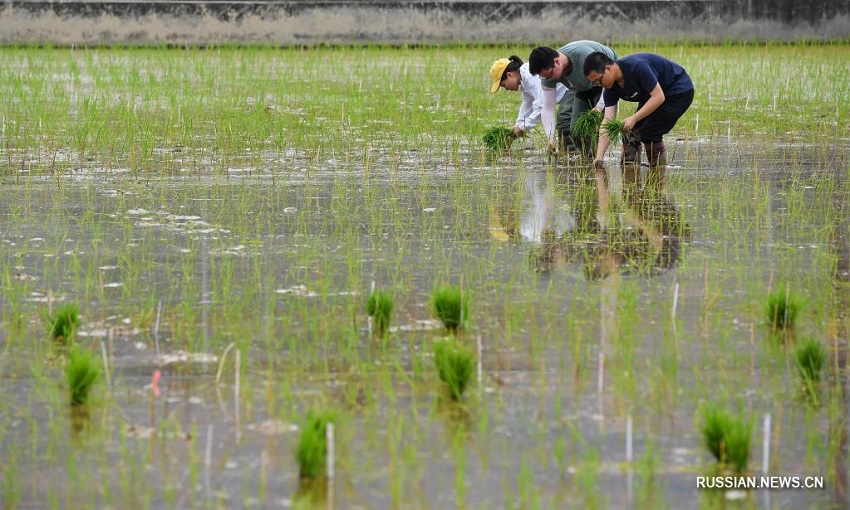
(566, 65)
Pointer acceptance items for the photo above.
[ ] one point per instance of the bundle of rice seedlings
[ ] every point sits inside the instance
(811, 358)
(451, 306)
(64, 323)
(615, 129)
(498, 138)
(455, 364)
(380, 307)
(586, 126)
(81, 373)
(782, 309)
(312, 451)
(727, 437)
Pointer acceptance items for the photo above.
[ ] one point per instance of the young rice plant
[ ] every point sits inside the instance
(455, 364)
(727, 437)
(380, 308)
(312, 450)
(81, 373)
(451, 306)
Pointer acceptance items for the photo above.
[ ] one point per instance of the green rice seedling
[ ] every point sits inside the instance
(498, 138)
(586, 126)
(455, 364)
(380, 308)
(615, 129)
(81, 373)
(811, 358)
(451, 306)
(64, 323)
(782, 309)
(312, 450)
(727, 437)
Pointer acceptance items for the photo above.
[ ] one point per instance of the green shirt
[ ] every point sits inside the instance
(577, 51)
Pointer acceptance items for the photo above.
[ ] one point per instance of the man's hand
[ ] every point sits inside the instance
(598, 164)
(629, 123)
(552, 148)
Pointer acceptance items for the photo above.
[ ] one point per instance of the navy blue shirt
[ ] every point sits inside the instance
(641, 72)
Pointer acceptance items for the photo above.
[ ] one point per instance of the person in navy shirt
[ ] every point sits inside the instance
(661, 88)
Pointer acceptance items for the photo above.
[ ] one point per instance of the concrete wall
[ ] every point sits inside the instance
(304, 22)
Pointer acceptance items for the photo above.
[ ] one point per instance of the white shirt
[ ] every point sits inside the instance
(532, 99)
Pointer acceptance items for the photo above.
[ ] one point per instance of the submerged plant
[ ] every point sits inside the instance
(615, 129)
(498, 138)
(727, 437)
(782, 309)
(586, 126)
(451, 306)
(811, 358)
(64, 323)
(81, 372)
(312, 450)
(380, 307)
(455, 364)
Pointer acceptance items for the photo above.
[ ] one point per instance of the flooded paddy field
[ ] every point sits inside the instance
(221, 216)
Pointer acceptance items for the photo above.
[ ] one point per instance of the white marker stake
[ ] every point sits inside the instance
(369, 318)
(208, 458)
(105, 364)
(629, 438)
(156, 326)
(479, 365)
(237, 368)
(329, 435)
(675, 300)
(765, 456)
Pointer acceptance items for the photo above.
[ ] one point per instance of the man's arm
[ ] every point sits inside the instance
(656, 99)
(604, 140)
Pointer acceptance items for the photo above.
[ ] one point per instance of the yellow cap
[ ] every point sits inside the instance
(496, 72)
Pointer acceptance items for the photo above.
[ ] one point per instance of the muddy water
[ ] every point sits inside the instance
(599, 299)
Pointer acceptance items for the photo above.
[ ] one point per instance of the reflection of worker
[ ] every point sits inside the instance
(662, 89)
(512, 74)
(646, 236)
(565, 65)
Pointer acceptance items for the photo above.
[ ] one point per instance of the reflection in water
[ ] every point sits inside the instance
(643, 228)
(605, 224)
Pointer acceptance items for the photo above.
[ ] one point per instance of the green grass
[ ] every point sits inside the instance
(64, 323)
(727, 437)
(312, 450)
(782, 308)
(498, 138)
(81, 373)
(455, 364)
(380, 308)
(451, 306)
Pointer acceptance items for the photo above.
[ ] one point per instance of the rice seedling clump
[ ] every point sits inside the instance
(451, 306)
(380, 308)
(81, 373)
(614, 129)
(586, 126)
(811, 358)
(312, 449)
(455, 364)
(727, 437)
(782, 309)
(498, 138)
(64, 322)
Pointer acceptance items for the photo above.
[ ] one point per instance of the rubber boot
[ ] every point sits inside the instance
(630, 160)
(656, 154)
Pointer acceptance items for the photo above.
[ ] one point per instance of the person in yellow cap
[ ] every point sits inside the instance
(512, 74)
